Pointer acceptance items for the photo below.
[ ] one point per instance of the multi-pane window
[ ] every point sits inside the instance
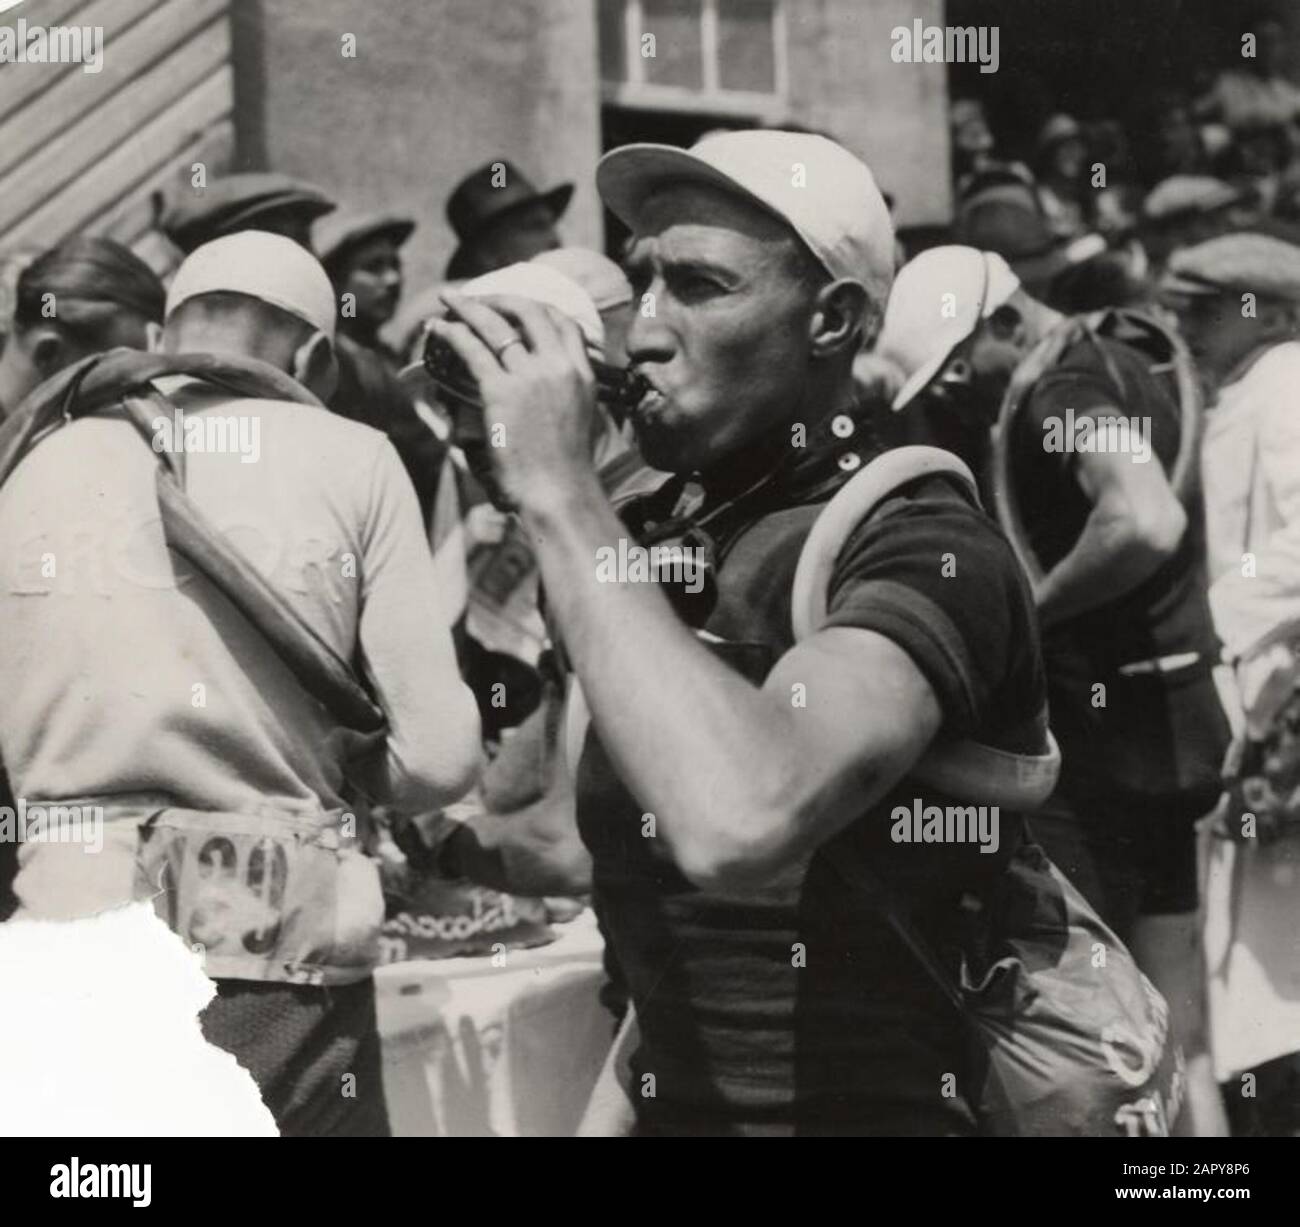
(724, 55)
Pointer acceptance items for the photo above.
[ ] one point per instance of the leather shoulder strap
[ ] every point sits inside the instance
(126, 376)
(313, 662)
(968, 769)
(854, 502)
(102, 379)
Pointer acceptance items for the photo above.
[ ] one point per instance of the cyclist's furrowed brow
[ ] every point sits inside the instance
(693, 266)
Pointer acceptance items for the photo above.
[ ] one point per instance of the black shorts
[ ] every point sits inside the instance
(300, 1043)
(1128, 856)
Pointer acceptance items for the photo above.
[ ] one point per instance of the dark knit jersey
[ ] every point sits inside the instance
(740, 1038)
(1151, 734)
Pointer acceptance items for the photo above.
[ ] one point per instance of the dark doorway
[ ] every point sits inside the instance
(1093, 59)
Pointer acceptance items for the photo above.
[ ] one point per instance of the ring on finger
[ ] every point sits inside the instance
(501, 349)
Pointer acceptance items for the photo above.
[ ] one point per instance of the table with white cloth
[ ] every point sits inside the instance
(475, 1049)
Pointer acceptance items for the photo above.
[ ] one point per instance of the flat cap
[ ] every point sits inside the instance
(235, 202)
(1237, 264)
(332, 236)
(1187, 195)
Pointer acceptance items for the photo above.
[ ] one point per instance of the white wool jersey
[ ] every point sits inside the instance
(128, 677)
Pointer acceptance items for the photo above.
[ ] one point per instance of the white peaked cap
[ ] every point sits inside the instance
(548, 286)
(268, 267)
(825, 194)
(938, 300)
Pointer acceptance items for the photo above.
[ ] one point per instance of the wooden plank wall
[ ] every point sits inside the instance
(96, 153)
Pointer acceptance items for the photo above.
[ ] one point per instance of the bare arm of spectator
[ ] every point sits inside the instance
(1135, 524)
(521, 833)
(433, 748)
(534, 851)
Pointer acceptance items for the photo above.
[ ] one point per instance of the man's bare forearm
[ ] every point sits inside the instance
(519, 853)
(694, 741)
(739, 783)
(1107, 562)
